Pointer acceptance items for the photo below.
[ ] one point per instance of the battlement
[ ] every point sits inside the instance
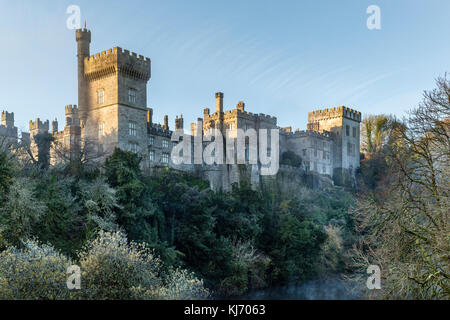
(309, 133)
(117, 60)
(260, 116)
(71, 109)
(83, 34)
(39, 125)
(159, 129)
(336, 112)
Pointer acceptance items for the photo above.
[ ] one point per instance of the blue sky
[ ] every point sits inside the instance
(283, 58)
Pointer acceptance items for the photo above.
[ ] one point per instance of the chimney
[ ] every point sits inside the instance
(179, 123)
(166, 122)
(219, 102)
(149, 117)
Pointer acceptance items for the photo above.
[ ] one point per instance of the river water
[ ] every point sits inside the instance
(311, 290)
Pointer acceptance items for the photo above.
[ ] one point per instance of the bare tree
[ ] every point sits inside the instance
(406, 230)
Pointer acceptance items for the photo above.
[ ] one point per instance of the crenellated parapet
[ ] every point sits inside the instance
(71, 109)
(38, 126)
(158, 129)
(257, 117)
(337, 112)
(306, 133)
(72, 115)
(115, 61)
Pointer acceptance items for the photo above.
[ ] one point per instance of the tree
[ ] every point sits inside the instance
(375, 130)
(21, 212)
(290, 158)
(7, 170)
(406, 230)
(123, 173)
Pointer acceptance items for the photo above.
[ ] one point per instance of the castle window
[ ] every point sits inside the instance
(132, 131)
(151, 141)
(100, 96)
(354, 132)
(165, 158)
(152, 156)
(347, 130)
(165, 144)
(101, 129)
(304, 152)
(315, 153)
(324, 169)
(351, 149)
(324, 155)
(133, 147)
(132, 95)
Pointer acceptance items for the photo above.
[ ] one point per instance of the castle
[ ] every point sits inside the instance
(112, 112)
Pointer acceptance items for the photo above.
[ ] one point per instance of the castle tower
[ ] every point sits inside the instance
(113, 97)
(55, 126)
(7, 129)
(8, 119)
(344, 124)
(37, 127)
(83, 38)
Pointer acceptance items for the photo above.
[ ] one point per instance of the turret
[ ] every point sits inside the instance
(8, 119)
(55, 126)
(72, 115)
(38, 126)
(83, 38)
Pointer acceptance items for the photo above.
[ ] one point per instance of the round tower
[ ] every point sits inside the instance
(83, 38)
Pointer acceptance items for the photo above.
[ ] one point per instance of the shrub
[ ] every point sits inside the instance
(33, 273)
(113, 269)
(183, 285)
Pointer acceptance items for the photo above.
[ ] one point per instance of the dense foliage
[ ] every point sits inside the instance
(111, 268)
(235, 241)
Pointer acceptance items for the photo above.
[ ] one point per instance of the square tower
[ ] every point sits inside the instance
(344, 125)
(114, 94)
